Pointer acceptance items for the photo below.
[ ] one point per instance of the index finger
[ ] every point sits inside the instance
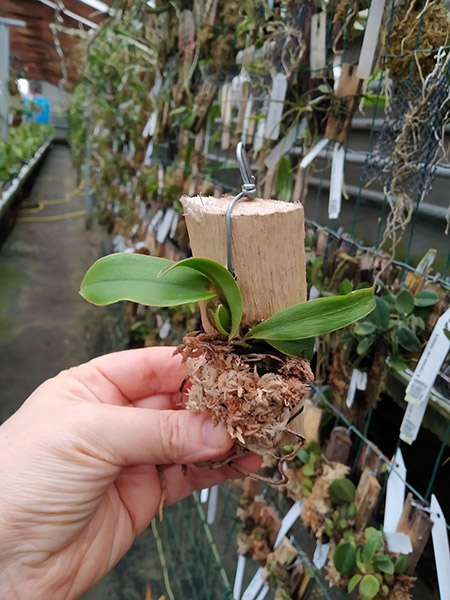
(140, 373)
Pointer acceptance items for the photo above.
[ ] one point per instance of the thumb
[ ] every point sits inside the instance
(133, 436)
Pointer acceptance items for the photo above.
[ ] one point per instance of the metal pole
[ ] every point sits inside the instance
(4, 71)
(4, 77)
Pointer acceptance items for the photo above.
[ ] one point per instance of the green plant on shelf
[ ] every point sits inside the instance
(396, 328)
(367, 566)
(24, 140)
(342, 495)
(305, 467)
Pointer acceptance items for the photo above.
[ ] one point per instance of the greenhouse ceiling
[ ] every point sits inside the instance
(47, 48)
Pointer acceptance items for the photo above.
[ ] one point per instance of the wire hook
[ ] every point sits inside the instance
(248, 191)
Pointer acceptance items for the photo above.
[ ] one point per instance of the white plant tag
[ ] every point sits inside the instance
(321, 555)
(430, 362)
(173, 229)
(212, 505)
(441, 549)
(239, 577)
(258, 140)
(263, 593)
(254, 586)
(148, 154)
(156, 219)
(317, 55)
(165, 329)
(289, 519)
(315, 151)
(276, 106)
(336, 181)
(164, 226)
(313, 293)
(412, 421)
(204, 496)
(398, 542)
(358, 381)
(395, 493)
(247, 114)
(370, 40)
(283, 147)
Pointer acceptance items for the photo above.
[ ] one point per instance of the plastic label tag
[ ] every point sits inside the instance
(315, 151)
(254, 586)
(336, 181)
(165, 225)
(204, 496)
(370, 39)
(321, 555)
(276, 106)
(318, 56)
(239, 577)
(419, 388)
(212, 505)
(358, 381)
(441, 549)
(291, 516)
(395, 493)
(412, 421)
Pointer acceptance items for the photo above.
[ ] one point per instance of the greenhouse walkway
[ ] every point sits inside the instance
(45, 325)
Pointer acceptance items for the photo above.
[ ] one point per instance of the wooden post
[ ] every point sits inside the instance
(268, 249)
(339, 446)
(417, 525)
(367, 494)
(310, 422)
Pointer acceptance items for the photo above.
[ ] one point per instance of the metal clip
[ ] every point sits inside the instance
(248, 191)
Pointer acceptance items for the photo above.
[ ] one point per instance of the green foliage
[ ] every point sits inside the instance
(315, 317)
(135, 277)
(159, 282)
(341, 491)
(344, 558)
(369, 586)
(396, 326)
(24, 140)
(369, 566)
(224, 283)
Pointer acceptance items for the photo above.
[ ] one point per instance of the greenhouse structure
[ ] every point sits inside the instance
(224, 299)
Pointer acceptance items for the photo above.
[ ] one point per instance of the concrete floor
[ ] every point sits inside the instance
(45, 326)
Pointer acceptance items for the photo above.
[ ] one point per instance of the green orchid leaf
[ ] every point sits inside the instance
(315, 317)
(353, 582)
(364, 328)
(383, 563)
(224, 283)
(344, 558)
(369, 549)
(295, 348)
(404, 302)
(222, 320)
(425, 298)
(369, 586)
(447, 333)
(407, 339)
(401, 564)
(134, 277)
(364, 345)
(380, 316)
(345, 287)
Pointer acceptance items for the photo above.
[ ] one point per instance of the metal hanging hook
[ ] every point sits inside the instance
(248, 191)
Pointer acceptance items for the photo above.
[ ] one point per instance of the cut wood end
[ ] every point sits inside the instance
(218, 206)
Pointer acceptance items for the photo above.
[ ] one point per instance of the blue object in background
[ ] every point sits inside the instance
(42, 115)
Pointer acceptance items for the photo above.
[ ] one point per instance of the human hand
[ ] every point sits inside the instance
(78, 469)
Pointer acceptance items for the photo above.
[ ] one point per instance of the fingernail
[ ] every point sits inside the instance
(214, 436)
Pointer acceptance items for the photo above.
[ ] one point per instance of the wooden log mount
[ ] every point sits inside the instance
(417, 524)
(268, 249)
(367, 494)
